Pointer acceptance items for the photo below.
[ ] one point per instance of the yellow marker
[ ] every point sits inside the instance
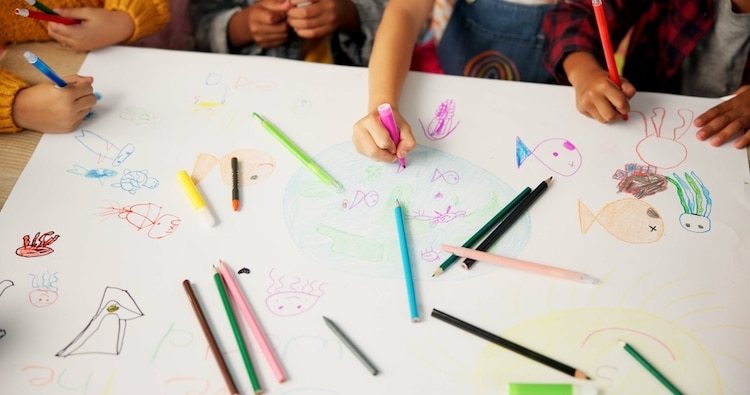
(195, 197)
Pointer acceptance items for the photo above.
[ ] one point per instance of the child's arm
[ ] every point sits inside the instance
(727, 120)
(46, 108)
(117, 22)
(596, 95)
(389, 65)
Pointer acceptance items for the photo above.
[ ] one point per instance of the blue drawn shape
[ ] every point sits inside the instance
(104, 149)
(92, 113)
(133, 180)
(363, 240)
(557, 154)
(98, 174)
(696, 202)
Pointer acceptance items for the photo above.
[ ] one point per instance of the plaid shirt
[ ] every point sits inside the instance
(665, 32)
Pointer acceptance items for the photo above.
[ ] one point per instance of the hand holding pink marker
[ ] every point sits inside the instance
(386, 117)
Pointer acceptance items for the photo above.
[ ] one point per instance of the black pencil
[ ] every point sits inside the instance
(569, 370)
(210, 338)
(235, 185)
(509, 220)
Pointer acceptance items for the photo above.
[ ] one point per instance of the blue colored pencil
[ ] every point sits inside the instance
(407, 263)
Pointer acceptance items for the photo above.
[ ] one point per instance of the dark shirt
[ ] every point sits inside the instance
(665, 32)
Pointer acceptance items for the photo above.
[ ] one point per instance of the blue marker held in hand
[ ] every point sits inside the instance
(41, 66)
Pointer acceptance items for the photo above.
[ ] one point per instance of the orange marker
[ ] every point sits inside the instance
(609, 54)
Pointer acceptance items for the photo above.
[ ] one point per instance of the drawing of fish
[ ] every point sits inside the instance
(630, 220)
(557, 154)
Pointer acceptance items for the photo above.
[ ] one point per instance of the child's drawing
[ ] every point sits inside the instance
(630, 220)
(212, 97)
(133, 180)
(449, 177)
(369, 199)
(262, 85)
(4, 285)
(104, 149)
(39, 246)
(557, 154)
(442, 208)
(292, 296)
(437, 217)
(44, 289)
(145, 216)
(105, 333)
(660, 149)
(244, 270)
(639, 181)
(696, 202)
(98, 174)
(442, 124)
(140, 116)
(254, 166)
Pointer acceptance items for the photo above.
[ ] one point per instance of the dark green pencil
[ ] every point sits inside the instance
(237, 334)
(483, 230)
(651, 369)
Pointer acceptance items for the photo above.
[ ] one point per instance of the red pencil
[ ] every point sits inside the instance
(46, 17)
(609, 54)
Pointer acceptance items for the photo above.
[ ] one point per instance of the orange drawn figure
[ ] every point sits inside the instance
(37, 247)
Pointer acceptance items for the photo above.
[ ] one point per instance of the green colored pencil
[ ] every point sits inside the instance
(483, 230)
(237, 333)
(638, 357)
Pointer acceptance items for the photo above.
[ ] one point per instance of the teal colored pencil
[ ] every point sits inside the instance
(41, 7)
(414, 310)
(237, 333)
(638, 357)
(483, 230)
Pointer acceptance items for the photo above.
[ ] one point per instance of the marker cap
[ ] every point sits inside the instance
(550, 389)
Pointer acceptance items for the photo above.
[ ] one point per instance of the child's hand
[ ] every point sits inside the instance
(99, 28)
(319, 18)
(597, 96)
(372, 139)
(263, 23)
(726, 120)
(46, 108)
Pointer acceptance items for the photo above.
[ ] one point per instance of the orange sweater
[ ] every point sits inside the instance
(148, 15)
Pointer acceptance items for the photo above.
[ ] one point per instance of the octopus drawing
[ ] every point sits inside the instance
(696, 202)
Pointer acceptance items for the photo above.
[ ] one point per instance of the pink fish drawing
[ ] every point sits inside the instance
(630, 220)
(557, 154)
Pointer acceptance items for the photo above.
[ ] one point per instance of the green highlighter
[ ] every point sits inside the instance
(550, 389)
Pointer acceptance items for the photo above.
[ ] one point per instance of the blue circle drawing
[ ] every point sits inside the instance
(445, 200)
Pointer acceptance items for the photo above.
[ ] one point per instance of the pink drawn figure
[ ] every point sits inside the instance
(286, 300)
(557, 154)
(44, 292)
(442, 124)
(663, 150)
(40, 246)
(438, 218)
(146, 215)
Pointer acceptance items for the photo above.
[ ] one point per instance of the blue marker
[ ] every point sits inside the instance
(41, 66)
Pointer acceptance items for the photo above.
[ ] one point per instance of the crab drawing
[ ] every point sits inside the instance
(39, 246)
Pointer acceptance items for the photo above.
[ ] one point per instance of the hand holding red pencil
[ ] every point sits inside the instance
(98, 28)
(600, 93)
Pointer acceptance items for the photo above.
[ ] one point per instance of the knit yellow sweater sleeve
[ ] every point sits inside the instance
(9, 86)
(149, 15)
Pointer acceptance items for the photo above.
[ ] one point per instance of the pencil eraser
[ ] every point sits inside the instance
(206, 216)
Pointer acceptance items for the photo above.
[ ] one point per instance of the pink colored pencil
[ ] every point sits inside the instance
(520, 264)
(247, 314)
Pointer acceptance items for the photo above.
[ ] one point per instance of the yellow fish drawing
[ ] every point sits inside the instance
(630, 220)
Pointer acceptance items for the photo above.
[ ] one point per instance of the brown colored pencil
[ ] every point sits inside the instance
(210, 338)
(543, 359)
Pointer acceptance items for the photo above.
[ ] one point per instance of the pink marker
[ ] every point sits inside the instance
(386, 117)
